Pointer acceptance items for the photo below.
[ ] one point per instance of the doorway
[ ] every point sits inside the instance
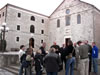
(66, 41)
(31, 42)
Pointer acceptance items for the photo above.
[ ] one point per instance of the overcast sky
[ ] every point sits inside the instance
(45, 7)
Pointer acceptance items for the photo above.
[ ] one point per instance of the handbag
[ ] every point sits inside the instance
(70, 55)
(28, 58)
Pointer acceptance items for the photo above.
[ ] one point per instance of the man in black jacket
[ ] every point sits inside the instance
(42, 48)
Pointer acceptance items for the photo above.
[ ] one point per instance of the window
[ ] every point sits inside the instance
(19, 14)
(41, 41)
(17, 39)
(67, 11)
(32, 18)
(58, 23)
(3, 14)
(18, 27)
(42, 20)
(42, 31)
(32, 29)
(78, 19)
(67, 20)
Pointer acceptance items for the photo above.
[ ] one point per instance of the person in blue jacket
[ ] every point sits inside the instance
(95, 58)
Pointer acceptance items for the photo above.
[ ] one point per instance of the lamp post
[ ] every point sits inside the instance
(3, 29)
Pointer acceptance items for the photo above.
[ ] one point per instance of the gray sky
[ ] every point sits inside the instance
(45, 7)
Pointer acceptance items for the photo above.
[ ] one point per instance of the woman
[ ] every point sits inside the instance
(38, 63)
(27, 61)
(70, 55)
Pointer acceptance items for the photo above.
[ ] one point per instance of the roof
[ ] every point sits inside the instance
(58, 7)
(22, 9)
(80, 1)
(91, 5)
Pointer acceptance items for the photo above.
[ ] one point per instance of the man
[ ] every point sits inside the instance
(21, 52)
(56, 47)
(89, 54)
(95, 58)
(84, 60)
(63, 57)
(42, 48)
(52, 62)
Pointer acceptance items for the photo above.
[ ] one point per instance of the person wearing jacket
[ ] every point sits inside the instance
(21, 52)
(27, 61)
(89, 54)
(42, 48)
(38, 63)
(95, 58)
(83, 59)
(70, 61)
(52, 62)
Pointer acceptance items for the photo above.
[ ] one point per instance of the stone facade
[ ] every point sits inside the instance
(88, 29)
(82, 31)
(25, 22)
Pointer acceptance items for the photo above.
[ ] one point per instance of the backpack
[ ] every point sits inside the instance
(24, 63)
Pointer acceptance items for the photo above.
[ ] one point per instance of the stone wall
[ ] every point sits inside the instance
(24, 32)
(97, 27)
(83, 31)
(9, 58)
(2, 19)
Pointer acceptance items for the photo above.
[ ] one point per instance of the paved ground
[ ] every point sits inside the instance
(4, 72)
(77, 73)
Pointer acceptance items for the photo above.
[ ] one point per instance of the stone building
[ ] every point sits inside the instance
(72, 19)
(25, 26)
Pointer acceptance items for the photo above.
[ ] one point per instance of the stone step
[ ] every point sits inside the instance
(14, 67)
(15, 70)
(5, 72)
(12, 70)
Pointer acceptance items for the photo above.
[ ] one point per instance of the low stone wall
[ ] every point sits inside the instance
(9, 58)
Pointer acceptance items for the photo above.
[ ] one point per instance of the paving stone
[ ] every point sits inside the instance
(4, 72)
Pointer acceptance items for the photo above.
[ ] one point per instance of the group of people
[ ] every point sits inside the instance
(86, 57)
(80, 56)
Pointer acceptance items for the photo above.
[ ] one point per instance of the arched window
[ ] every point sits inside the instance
(32, 18)
(58, 23)
(19, 14)
(32, 29)
(41, 41)
(78, 19)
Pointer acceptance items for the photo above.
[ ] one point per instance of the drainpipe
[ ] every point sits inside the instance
(93, 27)
(6, 14)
